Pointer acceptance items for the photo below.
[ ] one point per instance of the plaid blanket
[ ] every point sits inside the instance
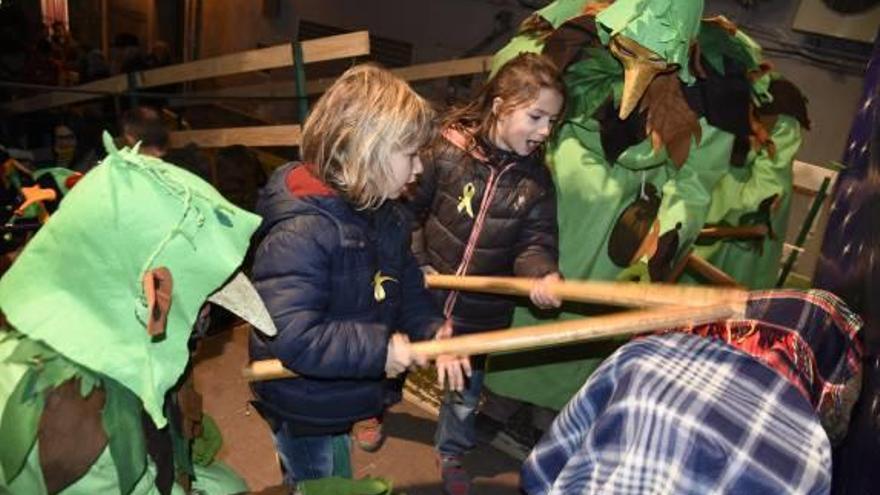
(679, 413)
(810, 338)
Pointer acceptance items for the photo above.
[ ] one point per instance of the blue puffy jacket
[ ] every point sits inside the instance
(315, 269)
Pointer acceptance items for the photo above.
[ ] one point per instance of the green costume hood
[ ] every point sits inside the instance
(78, 284)
(666, 27)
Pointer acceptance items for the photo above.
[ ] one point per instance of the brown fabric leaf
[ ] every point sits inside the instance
(760, 127)
(567, 42)
(70, 435)
(184, 481)
(696, 61)
(788, 100)
(722, 22)
(670, 121)
(190, 402)
(595, 8)
(763, 68)
(535, 26)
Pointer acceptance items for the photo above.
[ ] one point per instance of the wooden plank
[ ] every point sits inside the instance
(115, 84)
(332, 47)
(286, 89)
(436, 70)
(272, 135)
(807, 178)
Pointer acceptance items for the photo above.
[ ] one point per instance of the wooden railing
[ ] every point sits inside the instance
(333, 47)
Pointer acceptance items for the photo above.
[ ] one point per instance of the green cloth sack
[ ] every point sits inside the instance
(77, 286)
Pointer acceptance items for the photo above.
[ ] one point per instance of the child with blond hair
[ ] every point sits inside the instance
(335, 270)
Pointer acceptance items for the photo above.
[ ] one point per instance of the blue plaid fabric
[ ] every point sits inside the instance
(680, 414)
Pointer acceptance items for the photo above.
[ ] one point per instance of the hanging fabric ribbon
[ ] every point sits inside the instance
(378, 290)
(465, 201)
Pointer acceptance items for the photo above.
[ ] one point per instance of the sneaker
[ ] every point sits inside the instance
(456, 480)
(368, 434)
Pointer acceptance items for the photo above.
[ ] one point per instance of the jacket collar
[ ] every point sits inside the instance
(480, 148)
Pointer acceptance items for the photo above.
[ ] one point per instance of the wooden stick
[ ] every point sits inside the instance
(551, 334)
(744, 232)
(615, 293)
(711, 272)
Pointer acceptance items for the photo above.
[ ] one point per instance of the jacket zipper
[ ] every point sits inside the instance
(475, 233)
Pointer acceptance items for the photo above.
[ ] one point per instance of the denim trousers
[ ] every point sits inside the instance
(312, 457)
(455, 426)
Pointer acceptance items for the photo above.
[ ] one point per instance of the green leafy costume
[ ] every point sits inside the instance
(603, 166)
(758, 194)
(77, 310)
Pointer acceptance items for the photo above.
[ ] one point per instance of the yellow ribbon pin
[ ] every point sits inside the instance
(378, 290)
(465, 201)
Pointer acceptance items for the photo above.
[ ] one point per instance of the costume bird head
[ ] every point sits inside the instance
(649, 38)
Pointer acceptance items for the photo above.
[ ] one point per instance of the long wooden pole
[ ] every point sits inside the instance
(532, 337)
(625, 294)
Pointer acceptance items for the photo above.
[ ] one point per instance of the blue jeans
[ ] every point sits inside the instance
(455, 426)
(308, 458)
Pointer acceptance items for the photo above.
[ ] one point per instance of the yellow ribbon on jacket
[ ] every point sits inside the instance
(465, 201)
(378, 290)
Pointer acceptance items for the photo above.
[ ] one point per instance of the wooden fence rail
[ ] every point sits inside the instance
(317, 50)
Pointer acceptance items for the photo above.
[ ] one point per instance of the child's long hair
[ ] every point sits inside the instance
(366, 115)
(518, 82)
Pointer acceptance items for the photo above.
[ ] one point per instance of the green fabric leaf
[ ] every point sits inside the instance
(664, 26)
(87, 383)
(591, 81)
(716, 43)
(206, 446)
(18, 426)
(7, 333)
(560, 11)
(54, 373)
(122, 422)
(50, 369)
(60, 174)
(30, 352)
